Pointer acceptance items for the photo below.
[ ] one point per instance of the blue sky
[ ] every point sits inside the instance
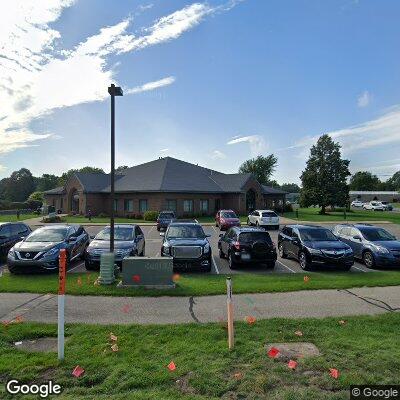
(213, 83)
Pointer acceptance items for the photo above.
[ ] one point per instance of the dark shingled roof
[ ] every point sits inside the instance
(271, 190)
(57, 190)
(167, 175)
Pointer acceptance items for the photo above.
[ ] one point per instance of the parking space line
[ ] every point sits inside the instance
(150, 230)
(79, 265)
(290, 269)
(362, 270)
(215, 265)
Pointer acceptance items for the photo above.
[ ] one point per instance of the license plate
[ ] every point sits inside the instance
(245, 256)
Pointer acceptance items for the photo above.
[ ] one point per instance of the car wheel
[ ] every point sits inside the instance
(221, 253)
(82, 255)
(257, 225)
(13, 270)
(368, 259)
(304, 264)
(143, 251)
(248, 222)
(281, 250)
(232, 264)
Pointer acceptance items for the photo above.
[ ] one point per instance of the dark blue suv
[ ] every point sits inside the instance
(375, 246)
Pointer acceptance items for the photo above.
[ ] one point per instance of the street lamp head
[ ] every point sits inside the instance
(115, 90)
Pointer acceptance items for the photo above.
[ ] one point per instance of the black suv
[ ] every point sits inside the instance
(164, 219)
(247, 245)
(187, 243)
(314, 245)
(40, 250)
(10, 234)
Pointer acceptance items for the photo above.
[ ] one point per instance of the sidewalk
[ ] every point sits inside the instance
(179, 310)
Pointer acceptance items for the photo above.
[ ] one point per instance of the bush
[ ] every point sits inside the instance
(102, 215)
(288, 207)
(151, 215)
(54, 219)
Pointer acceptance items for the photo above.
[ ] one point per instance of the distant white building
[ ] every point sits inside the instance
(364, 195)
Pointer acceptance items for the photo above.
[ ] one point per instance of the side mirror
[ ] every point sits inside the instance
(357, 238)
(162, 234)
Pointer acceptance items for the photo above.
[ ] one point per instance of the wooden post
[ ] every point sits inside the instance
(61, 302)
(229, 304)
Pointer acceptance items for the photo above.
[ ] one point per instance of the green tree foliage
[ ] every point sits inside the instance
(121, 168)
(36, 196)
(46, 182)
(66, 175)
(363, 180)
(261, 167)
(324, 178)
(291, 187)
(394, 182)
(18, 186)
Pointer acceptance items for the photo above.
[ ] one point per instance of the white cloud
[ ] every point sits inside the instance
(218, 155)
(151, 85)
(377, 132)
(364, 99)
(164, 150)
(256, 142)
(36, 77)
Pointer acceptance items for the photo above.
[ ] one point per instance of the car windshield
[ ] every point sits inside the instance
(376, 235)
(120, 233)
(269, 214)
(246, 237)
(228, 214)
(166, 216)
(56, 234)
(185, 231)
(317, 235)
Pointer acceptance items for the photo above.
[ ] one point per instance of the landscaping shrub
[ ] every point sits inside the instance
(54, 219)
(288, 207)
(102, 215)
(150, 215)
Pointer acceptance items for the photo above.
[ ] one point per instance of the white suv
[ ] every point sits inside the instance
(374, 205)
(263, 218)
(357, 203)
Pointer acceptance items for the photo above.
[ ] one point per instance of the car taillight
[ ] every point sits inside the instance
(236, 245)
(222, 221)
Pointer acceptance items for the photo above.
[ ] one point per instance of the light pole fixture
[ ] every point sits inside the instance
(113, 91)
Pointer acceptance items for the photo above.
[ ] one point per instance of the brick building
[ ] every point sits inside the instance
(164, 184)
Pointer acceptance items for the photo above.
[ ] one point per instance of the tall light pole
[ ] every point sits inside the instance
(113, 91)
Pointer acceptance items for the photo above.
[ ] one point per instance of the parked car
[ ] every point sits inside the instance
(374, 205)
(10, 234)
(188, 245)
(40, 249)
(314, 245)
(129, 241)
(164, 219)
(357, 203)
(263, 218)
(373, 245)
(226, 219)
(387, 205)
(243, 245)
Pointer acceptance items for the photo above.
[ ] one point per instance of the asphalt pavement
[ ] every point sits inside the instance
(179, 310)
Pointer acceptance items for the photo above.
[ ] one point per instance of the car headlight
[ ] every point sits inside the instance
(314, 251)
(52, 252)
(11, 253)
(166, 250)
(382, 250)
(206, 248)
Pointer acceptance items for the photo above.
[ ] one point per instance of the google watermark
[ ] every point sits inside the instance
(44, 390)
(375, 392)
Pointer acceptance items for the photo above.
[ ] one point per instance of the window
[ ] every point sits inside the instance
(188, 205)
(115, 205)
(5, 232)
(128, 205)
(142, 206)
(171, 205)
(61, 202)
(138, 231)
(204, 206)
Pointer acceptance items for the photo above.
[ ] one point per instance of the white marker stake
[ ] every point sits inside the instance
(229, 304)
(61, 302)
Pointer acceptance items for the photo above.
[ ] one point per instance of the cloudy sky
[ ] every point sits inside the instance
(213, 82)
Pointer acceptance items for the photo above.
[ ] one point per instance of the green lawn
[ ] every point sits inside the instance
(13, 217)
(312, 214)
(201, 285)
(365, 351)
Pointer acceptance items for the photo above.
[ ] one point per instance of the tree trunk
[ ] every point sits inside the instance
(323, 210)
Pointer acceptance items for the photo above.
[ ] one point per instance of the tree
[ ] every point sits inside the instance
(363, 180)
(46, 182)
(121, 168)
(36, 196)
(324, 178)
(291, 187)
(394, 182)
(19, 185)
(66, 175)
(261, 167)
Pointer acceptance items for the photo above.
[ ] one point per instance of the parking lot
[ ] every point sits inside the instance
(220, 266)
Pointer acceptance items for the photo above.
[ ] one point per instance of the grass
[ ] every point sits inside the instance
(13, 217)
(312, 214)
(365, 351)
(200, 285)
